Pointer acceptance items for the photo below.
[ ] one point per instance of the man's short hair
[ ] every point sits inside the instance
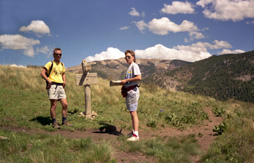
(56, 50)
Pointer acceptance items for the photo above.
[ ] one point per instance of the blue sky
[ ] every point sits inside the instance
(104, 29)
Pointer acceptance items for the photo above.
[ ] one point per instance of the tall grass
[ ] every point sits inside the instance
(166, 149)
(237, 140)
(44, 148)
(20, 78)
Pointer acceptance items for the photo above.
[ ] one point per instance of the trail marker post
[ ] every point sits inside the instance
(87, 79)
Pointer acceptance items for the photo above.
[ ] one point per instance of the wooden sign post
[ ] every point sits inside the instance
(87, 79)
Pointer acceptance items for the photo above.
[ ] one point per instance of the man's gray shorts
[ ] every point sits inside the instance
(56, 92)
(132, 99)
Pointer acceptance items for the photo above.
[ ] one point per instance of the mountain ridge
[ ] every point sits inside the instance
(222, 77)
(116, 69)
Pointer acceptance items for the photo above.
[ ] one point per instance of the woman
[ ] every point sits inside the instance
(131, 91)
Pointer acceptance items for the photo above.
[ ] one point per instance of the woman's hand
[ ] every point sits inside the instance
(123, 81)
(136, 78)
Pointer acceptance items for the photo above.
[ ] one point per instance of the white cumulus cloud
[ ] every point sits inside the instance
(124, 28)
(134, 12)
(203, 3)
(110, 53)
(220, 44)
(195, 35)
(227, 51)
(45, 50)
(178, 7)
(203, 46)
(141, 25)
(161, 52)
(163, 26)
(18, 42)
(36, 26)
(190, 53)
(18, 66)
(234, 10)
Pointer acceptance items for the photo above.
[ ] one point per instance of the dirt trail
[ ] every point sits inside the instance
(204, 141)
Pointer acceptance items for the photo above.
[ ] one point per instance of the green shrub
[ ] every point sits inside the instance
(220, 129)
(218, 111)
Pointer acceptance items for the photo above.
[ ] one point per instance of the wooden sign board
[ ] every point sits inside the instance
(86, 79)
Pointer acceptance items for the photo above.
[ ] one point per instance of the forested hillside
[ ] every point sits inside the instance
(223, 77)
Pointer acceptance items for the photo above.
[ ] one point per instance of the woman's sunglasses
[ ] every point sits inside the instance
(129, 57)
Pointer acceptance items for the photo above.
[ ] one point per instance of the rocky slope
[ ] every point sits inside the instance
(116, 69)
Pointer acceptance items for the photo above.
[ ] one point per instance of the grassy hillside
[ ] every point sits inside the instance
(23, 89)
(24, 104)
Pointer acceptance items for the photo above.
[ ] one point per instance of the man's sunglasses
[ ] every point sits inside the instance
(58, 54)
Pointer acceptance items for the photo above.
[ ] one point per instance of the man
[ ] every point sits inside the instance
(54, 74)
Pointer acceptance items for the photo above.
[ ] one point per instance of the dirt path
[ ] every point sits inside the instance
(204, 141)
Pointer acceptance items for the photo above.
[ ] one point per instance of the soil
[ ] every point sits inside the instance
(205, 139)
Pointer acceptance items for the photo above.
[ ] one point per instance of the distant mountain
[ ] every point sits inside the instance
(116, 69)
(222, 77)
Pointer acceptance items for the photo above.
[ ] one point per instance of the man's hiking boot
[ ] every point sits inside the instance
(66, 123)
(55, 125)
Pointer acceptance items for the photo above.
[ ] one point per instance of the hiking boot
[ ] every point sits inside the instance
(65, 123)
(133, 138)
(55, 125)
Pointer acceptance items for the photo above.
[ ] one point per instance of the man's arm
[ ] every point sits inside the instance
(44, 76)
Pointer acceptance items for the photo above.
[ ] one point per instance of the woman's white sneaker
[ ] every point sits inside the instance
(133, 138)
